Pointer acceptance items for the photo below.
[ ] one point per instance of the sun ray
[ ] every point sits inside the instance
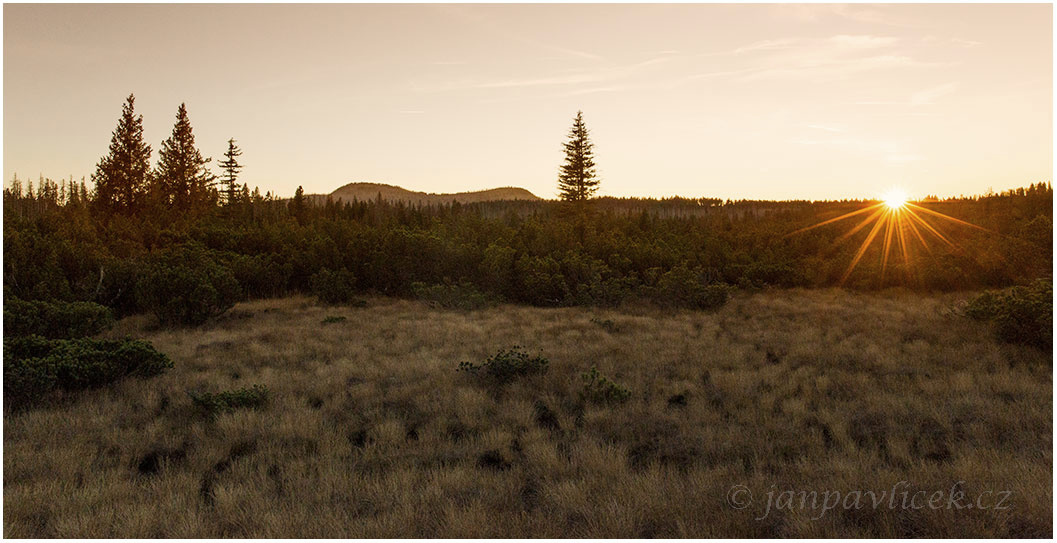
(862, 224)
(903, 246)
(947, 217)
(835, 219)
(896, 216)
(862, 250)
(890, 221)
(929, 227)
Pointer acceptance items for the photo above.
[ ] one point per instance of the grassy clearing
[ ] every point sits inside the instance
(369, 430)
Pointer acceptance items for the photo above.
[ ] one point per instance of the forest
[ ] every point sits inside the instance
(58, 246)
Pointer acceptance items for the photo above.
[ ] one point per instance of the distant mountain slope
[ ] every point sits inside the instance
(370, 191)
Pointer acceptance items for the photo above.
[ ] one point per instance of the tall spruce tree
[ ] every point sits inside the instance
(182, 179)
(577, 179)
(231, 167)
(122, 176)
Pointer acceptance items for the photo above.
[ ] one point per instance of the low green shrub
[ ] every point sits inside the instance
(463, 296)
(691, 288)
(598, 389)
(214, 403)
(334, 287)
(1022, 314)
(55, 320)
(35, 366)
(187, 286)
(506, 366)
(332, 319)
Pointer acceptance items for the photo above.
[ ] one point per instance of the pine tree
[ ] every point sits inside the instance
(181, 177)
(577, 179)
(121, 177)
(231, 168)
(297, 204)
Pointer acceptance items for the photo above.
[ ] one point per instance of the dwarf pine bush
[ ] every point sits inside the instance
(506, 366)
(214, 403)
(598, 389)
(35, 366)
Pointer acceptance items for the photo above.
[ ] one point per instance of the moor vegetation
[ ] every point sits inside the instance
(609, 423)
(188, 360)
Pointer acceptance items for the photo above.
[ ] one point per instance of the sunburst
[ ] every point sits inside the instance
(897, 222)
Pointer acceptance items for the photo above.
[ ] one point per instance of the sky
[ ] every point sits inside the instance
(790, 101)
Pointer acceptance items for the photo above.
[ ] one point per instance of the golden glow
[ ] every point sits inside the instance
(899, 221)
(895, 199)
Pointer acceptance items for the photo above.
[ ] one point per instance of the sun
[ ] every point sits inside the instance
(895, 199)
(898, 222)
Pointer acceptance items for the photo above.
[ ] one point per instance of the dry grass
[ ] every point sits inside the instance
(372, 433)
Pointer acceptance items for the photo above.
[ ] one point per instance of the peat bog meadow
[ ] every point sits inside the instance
(188, 359)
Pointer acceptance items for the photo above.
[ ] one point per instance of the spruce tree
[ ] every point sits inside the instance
(121, 177)
(181, 176)
(231, 167)
(577, 179)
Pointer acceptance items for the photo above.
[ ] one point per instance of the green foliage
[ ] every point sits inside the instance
(460, 296)
(334, 287)
(333, 319)
(685, 287)
(55, 320)
(506, 366)
(35, 366)
(187, 286)
(672, 252)
(1022, 314)
(598, 389)
(215, 403)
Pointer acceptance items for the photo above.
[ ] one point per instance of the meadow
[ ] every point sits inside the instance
(370, 431)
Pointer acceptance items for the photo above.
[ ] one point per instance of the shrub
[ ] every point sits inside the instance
(685, 287)
(35, 366)
(506, 366)
(460, 296)
(55, 320)
(332, 319)
(598, 389)
(334, 287)
(1022, 314)
(212, 404)
(187, 287)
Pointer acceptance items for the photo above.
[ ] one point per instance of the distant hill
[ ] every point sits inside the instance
(370, 191)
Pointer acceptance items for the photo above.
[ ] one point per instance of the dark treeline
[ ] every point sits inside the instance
(168, 239)
(543, 253)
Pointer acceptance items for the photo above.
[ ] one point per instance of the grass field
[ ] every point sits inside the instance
(371, 431)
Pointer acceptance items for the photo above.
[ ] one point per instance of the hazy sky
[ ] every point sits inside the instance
(734, 101)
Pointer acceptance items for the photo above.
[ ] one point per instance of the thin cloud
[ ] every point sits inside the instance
(929, 96)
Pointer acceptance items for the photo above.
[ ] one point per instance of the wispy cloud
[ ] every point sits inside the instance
(577, 77)
(929, 96)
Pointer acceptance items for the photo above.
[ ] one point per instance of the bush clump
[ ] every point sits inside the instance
(506, 366)
(187, 287)
(685, 287)
(35, 366)
(598, 389)
(1022, 314)
(334, 287)
(214, 403)
(463, 295)
(55, 320)
(333, 319)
